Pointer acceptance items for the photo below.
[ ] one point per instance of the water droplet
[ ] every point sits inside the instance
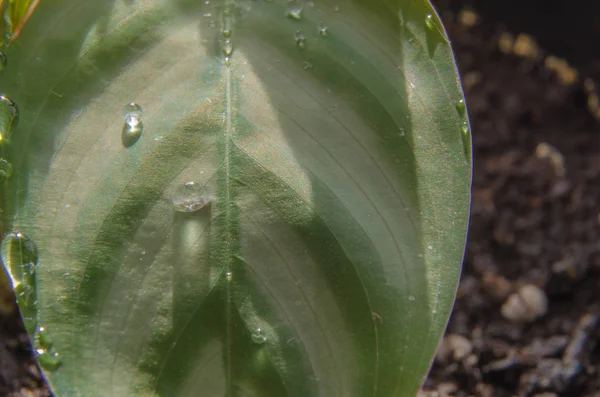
(132, 114)
(9, 117)
(429, 22)
(300, 40)
(228, 276)
(322, 29)
(48, 360)
(227, 47)
(43, 339)
(336, 8)
(465, 129)
(461, 108)
(294, 10)
(411, 298)
(3, 62)
(20, 256)
(259, 337)
(190, 197)
(131, 133)
(6, 169)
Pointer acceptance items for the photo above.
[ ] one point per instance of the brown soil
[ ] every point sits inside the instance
(535, 222)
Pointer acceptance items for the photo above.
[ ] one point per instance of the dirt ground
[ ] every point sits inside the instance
(527, 316)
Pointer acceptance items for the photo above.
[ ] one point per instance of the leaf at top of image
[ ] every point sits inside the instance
(15, 14)
(234, 198)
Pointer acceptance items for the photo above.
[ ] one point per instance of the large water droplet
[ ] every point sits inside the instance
(131, 133)
(48, 360)
(132, 114)
(20, 256)
(300, 40)
(190, 197)
(294, 10)
(9, 117)
(464, 129)
(258, 336)
(429, 22)
(229, 276)
(226, 32)
(6, 169)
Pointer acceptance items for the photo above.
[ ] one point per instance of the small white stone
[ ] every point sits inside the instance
(525, 305)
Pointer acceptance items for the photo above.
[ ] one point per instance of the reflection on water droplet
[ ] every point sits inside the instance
(132, 114)
(294, 10)
(49, 361)
(131, 133)
(461, 108)
(429, 22)
(322, 29)
(258, 336)
(3, 62)
(300, 40)
(190, 197)
(228, 276)
(6, 169)
(411, 298)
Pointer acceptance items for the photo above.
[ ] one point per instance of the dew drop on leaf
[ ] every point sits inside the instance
(48, 360)
(258, 336)
(300, 40)
(461, 108)
(132, 114)
(227, 47)
(131, 133)
(190, 197)
(429, 22)
(322, 29)
(6, 169)
(229, 276)
(465, 129)
(19, 255)
(43, 339)
(294, 10)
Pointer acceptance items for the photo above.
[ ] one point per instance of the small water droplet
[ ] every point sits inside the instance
(132, 113)
(430, 247)
(429, 22)
(461, 108)
(411, 298)
(258, 336)
(294, 10)
(336, 8)
(190, 197)
(43, 339)
(131, 133)
(464, 129)
(48, 360)
(6, 168)
(323, 29)
(227, 48)
(229, 276)
(3, 62)
(300, 40)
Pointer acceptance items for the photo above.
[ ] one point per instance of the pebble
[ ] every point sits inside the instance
(525, 305)
(454, 347)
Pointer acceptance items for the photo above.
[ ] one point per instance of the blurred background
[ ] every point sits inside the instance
(526, 321)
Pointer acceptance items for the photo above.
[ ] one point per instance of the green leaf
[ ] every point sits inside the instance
(325, 226)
